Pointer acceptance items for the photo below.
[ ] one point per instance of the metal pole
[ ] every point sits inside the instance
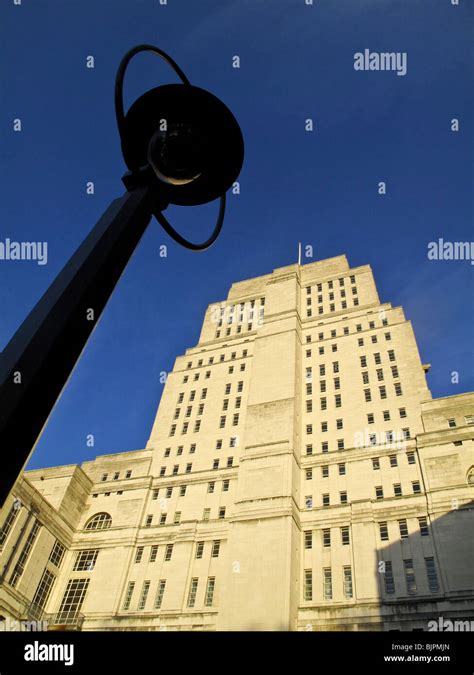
(37, 362)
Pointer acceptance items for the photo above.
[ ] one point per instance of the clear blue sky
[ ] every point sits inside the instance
(319, 188)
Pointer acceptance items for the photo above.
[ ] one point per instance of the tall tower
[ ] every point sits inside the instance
(298, 476)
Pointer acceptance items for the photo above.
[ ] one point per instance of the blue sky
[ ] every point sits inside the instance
(319, 188)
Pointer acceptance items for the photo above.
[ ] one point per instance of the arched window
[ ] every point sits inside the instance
(470, 476)
(101, 521)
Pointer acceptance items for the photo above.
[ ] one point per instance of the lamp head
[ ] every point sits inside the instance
(190, 139)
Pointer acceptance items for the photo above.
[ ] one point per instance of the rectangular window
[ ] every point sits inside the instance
(389, 582)
(397, 490)
(153, 553)
(23, 558)
(423, 525)
(326, 500)
(148, 521)
(160, 593)
(192, 592)
(326, 538)
(85, 560)
(398, 389)
(143, 595)
(416, 487)
(308, 539)
(216, 547)
(393, 460)
(342, 469)
(327, 584)
(409, 576)
(73, 599)
(347, 576)
(383, 529)
(199, 549)
(431, 574)
(345, 536)
(411, 458)
(128, 595)
(343, 497)
(211, 584)
(402, 525)
(42, 592)
(139, 554)
(379, 492)
(308, 584)
(375, 463)
(168, 552)
(57, 554)
(225, 485)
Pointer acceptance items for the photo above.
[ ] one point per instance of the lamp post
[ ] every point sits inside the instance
(182, 146)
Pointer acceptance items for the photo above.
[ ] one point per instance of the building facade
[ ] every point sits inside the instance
(298, 476)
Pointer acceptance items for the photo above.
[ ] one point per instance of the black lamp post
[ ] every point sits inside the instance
(183, 146)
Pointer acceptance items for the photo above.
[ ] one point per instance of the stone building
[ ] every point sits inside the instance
(298, 476)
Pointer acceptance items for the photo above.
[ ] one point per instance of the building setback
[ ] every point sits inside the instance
(298, 476)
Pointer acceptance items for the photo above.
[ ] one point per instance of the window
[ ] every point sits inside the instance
(363, 362)
(148, 521)
(128, 595)
(211, 584)
(325, 471)
(345, 536)
(335, 367)
(340, 444)
(469, 419)
(240, 387)
(155, 494)
(189, 468)
(309, 429)
(377, 359)
(153, 553)
(423, 525)
(309, 474)
(383, 529)
(163, 519)
(322, 370)
(206, 514)
(219, 444)
(179, 451)
(308, 539)
(222, 513)
(343, 497)
(395, 372)
(308, 502)
(128, 474)
(326, 538)
(160, 593)
(402, 525)
(326, 500)
(57, 554)
(309, 406)
(416, 487)
(168, 552)
(175, 469)
(139, 554)
(143, 595)
(360, 342)
(216, 545)
(365, 377)
(386, 416)
(347, 576)
(370, 418)
(215, 464)
(225, 485)
(309, 449)
(398, 389)
(367, 395)
(389, 582)
(409, 576)
(104, 477)
(338, 400)
(342, 469)
(323, 403)
(308, 584)
(101, 521)
(322, 386)
(411, 458)
(230, 462)
(397, 490)
(383, 392)
(324, 427)
(225, 404)
(192, 592)
(167, 452)
(73, 599)
(406, 434)
(431, 574)
(185, 428)
(222, 422)
(85, 560)
(393, 460)
(327, 584)
(379, 492)
(177, 518)
(379, 372)
(199, 549)
(451, 423)
(339, 424)
(337, 383)
(375, 463)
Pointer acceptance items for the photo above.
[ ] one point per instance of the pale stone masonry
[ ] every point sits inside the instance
(298, 476)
